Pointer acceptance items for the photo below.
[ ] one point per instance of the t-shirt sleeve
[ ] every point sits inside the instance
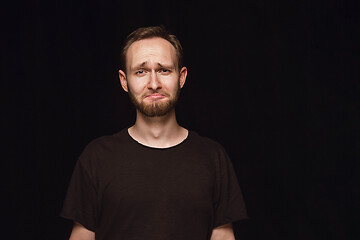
(229, 202)
(80, 200)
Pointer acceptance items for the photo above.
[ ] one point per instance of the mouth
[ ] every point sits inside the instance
(155, 96)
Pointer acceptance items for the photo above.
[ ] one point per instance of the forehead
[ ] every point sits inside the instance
(156, 50)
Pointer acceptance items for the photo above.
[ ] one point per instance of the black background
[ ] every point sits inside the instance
(276, 83)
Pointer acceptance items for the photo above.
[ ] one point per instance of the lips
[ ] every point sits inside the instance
(155, 96)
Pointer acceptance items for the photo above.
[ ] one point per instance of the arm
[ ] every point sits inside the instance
(224, 232)
(79, 232)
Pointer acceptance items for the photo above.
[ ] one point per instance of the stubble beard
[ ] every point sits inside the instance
(156, 108)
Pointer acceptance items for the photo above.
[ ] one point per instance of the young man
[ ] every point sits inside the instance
(156, 179)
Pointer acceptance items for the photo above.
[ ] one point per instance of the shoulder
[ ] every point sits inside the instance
(206, 144)
(102, 152)
(210, 150)
(103, 146)
(107, 141)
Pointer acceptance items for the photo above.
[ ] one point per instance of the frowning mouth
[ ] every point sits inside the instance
(155, 96)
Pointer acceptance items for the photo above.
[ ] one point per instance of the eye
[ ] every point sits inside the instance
(164, 71)
(140, 72)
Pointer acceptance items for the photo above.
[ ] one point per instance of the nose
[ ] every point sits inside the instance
(154, 81)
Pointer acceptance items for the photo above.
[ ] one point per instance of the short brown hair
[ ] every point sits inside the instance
(151, 32)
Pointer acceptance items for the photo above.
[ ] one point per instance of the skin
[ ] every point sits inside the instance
(152, 67)
(153, 78)
(79, 232)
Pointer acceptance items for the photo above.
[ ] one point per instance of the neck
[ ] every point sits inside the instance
(158, 132)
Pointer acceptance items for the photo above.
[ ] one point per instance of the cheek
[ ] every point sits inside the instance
(137, 86)
(171, 83)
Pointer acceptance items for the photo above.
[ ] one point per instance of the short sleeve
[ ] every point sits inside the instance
(80, 200)
(229, 203)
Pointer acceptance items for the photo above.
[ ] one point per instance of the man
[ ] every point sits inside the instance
(156, 179)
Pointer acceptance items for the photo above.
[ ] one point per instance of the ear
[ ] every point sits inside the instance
(123, 81)
(183, 74)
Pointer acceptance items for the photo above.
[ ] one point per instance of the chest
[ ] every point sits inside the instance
(156, 182)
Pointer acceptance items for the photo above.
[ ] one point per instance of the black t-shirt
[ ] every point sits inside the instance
(121, 189)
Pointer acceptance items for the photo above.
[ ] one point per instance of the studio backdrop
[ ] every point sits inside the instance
(275, 82)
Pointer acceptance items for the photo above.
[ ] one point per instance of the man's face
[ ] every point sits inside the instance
(152, 78)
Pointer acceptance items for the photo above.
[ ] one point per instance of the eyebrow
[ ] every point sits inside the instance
(143, 64)
(166, 66)
(138, 66)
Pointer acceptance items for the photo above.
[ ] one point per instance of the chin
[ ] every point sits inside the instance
(156, 109)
